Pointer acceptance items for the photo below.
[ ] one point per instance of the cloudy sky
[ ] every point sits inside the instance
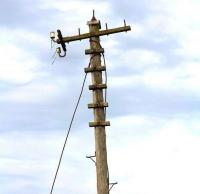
(154, 97)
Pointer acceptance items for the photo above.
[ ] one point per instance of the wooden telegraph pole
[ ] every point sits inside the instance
(98, 105)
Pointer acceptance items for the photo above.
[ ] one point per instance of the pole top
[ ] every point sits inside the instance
(94, 21)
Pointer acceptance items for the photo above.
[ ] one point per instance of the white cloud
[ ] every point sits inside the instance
(33, 157)
(178, 20)
(146, 155)
(75, 9)
(17, 64)
(142, 59)
(134, 60)
(166, 161)
(77, 5)
(36, 92)
(181, 20)
(182, 78)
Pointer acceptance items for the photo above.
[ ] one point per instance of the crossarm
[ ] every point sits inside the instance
(98, 33)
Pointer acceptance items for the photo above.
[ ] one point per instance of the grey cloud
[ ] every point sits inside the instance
(132, 10)
(42, 117)
(23, 14)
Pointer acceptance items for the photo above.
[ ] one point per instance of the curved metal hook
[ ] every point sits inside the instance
(58, 50)
(63, 55)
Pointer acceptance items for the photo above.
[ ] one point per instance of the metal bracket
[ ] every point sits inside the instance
(112, 185)
(91, 158)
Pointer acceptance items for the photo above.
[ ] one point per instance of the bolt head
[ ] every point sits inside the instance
(52, 35)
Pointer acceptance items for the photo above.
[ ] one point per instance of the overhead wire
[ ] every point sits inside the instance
(52, 44)
(105, 99)
(54, 59)
(54, 54)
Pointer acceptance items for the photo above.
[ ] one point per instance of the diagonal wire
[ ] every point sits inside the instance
(54, 57)
(69, 129)
(72, 119)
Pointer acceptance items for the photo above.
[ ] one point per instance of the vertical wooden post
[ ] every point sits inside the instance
(98, 106)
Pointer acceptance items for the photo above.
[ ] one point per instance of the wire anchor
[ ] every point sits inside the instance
(112, 185)
(91, 158)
